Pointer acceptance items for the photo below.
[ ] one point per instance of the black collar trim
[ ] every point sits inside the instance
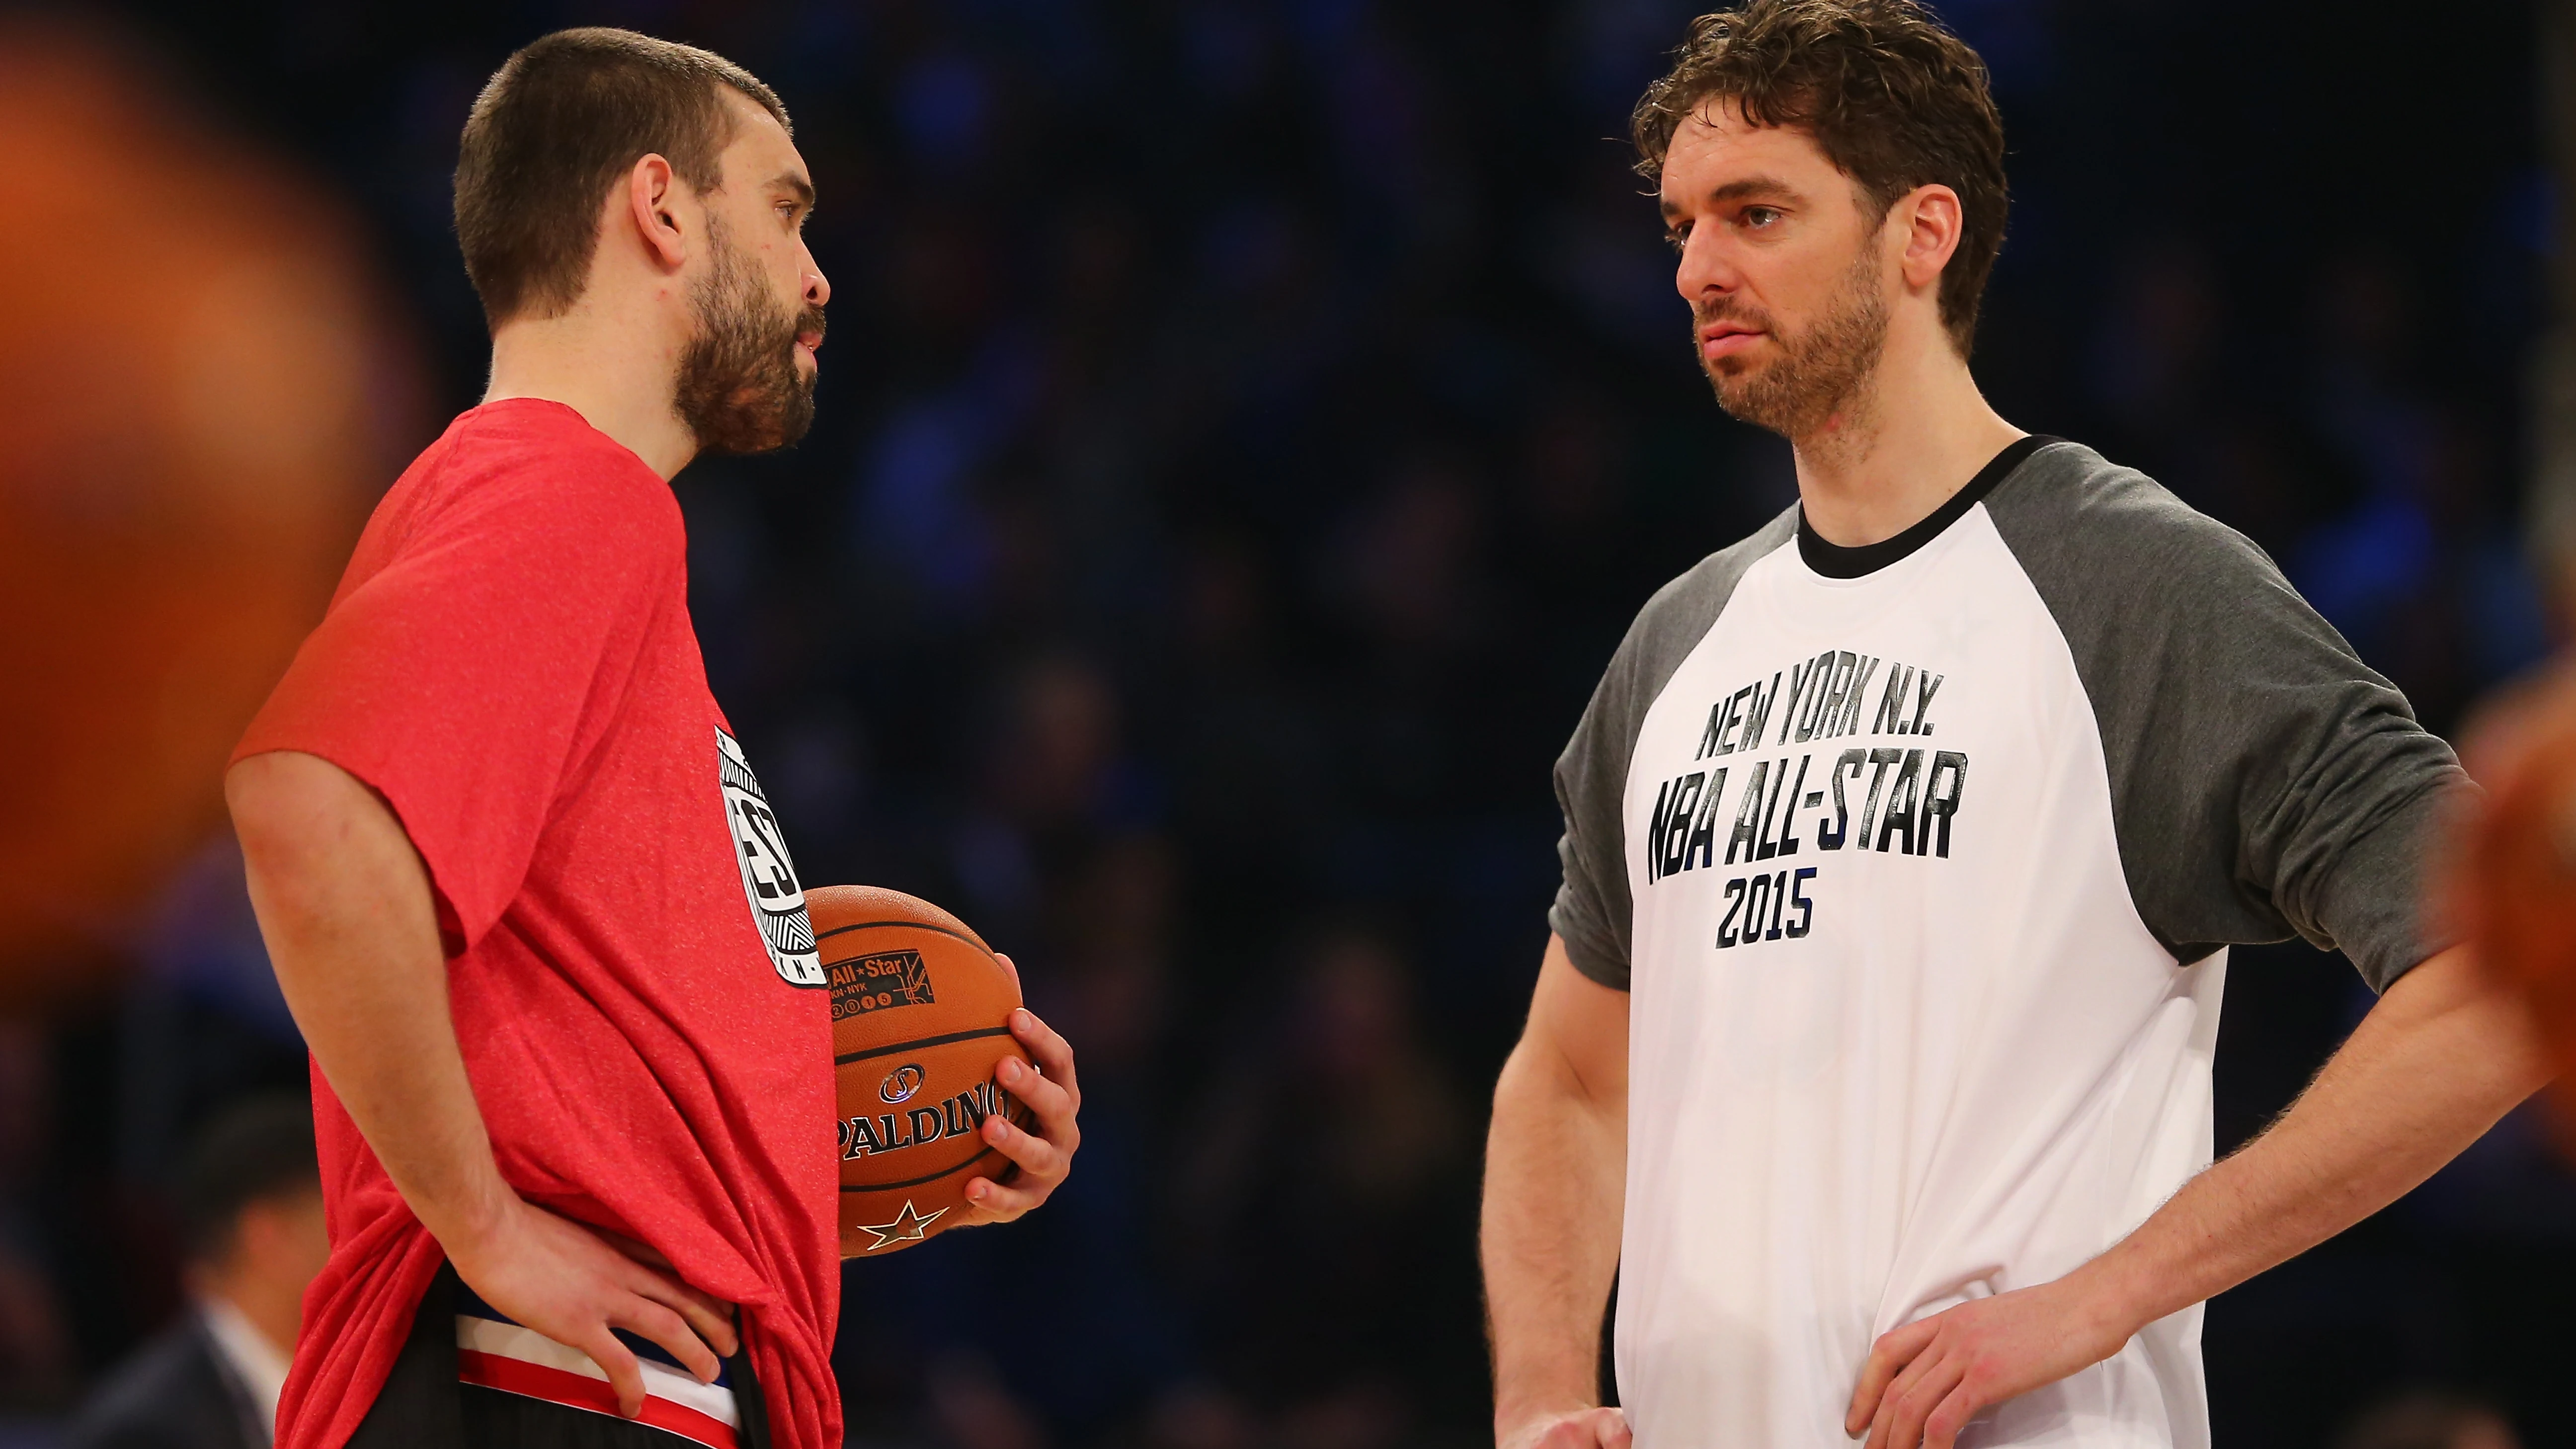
(1837, 562)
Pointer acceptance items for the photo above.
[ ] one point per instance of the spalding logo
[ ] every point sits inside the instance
(900, 1085)
(959, 1116)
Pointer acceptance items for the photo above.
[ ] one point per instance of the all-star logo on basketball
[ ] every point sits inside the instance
(768, 876)
(873, 983)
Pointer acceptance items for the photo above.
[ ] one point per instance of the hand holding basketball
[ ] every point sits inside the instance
(957, 1104)
(1045, 1156)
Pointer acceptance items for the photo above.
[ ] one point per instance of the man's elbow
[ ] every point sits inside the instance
(265, 795)
(293, 811)
(1541, 1074)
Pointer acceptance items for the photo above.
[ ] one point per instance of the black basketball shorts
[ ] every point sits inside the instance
(469, 1379)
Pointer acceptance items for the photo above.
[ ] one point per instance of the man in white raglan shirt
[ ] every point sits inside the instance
(1903, 843)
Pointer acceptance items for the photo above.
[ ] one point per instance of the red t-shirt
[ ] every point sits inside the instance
(510, 661)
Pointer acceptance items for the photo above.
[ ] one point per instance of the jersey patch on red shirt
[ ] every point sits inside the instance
(768, 874)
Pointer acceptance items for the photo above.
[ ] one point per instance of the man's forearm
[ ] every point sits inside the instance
(344, 904)
(2437, 1061)
(1555, 1166)
(2435, 1064)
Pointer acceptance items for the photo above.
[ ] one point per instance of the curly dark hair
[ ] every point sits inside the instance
(1894, 99)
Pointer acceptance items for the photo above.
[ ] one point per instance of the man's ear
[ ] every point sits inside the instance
(1931, 217)
(652, 195)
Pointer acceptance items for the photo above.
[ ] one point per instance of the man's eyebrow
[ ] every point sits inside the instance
(1744, 190)
(796, 186)
(1752, 186)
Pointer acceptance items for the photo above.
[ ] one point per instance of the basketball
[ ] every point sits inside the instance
(2522, 887)
(920, 1018)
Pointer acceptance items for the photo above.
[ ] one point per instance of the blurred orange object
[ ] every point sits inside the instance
(198, 399)
(2515, 884)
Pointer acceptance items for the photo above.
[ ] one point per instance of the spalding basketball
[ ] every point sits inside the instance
(2520, 887)
(920, 1018)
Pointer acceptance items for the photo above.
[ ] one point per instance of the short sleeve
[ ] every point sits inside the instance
(2265, 782)
(468, 673)
(1594, 911)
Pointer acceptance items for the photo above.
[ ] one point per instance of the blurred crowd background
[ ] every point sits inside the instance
(1247, 427)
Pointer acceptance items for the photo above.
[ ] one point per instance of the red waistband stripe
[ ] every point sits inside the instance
(521, 1361)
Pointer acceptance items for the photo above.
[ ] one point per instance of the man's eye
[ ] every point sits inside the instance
(1758, 217)
(1677, 238)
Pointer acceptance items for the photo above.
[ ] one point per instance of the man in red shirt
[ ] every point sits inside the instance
(569, 1033)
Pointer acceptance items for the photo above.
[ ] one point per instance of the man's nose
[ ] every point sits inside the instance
(1704, 271)
(818, 288)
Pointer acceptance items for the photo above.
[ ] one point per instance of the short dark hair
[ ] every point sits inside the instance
(554, 129)
(1894, 100)
(256, 1150)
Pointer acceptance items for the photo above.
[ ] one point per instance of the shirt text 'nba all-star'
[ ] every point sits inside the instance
(1919, 862)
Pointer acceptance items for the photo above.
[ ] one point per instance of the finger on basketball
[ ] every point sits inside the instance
(1046, 1155)
(1000, 1204)
(1036, 1156)
(1050, 1100)
(1054, 1054)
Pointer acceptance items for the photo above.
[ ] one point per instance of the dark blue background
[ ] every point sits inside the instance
(1247, 426)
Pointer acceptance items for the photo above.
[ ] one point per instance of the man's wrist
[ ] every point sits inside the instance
(1520, 1412)
(2115, 1296)
(468, 1221)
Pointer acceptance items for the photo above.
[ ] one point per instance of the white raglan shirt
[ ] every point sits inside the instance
(1920, 880)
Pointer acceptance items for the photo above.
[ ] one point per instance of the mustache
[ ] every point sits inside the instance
(1728, 310)
(808, 320)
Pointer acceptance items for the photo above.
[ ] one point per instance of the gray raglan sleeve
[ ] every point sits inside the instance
(1591, 914)
(2264, 781)
(1593, 909)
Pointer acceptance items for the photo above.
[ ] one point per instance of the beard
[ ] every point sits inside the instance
(740, 390)
(1820, 372)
